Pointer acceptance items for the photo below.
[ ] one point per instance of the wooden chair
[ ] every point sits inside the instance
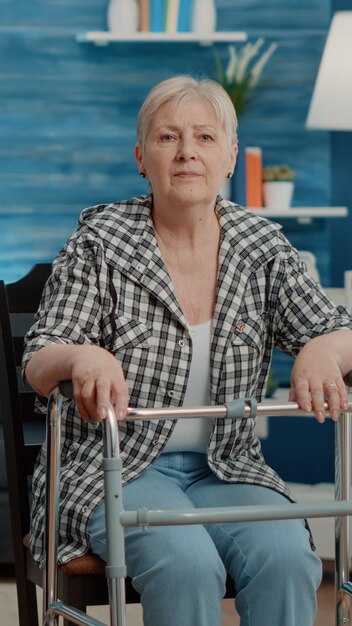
(82, 581)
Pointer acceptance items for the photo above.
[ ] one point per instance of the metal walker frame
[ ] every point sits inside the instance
(117, 518)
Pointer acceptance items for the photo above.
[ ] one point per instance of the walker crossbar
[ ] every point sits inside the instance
(117, 518)
(73, 615)
(252, 513)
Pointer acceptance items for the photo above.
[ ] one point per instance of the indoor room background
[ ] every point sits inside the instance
(68, 116)
(68, 113)
(67, 134)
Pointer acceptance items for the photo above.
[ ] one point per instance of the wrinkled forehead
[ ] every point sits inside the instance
(193, 108)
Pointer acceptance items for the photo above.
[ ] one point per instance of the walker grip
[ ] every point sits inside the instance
(348, 379)
(237, 408)
(66, 389)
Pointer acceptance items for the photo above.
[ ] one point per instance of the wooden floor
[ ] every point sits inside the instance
(325, 616)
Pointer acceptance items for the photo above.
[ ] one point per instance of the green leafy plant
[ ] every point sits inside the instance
(242, 73)
(278, 172)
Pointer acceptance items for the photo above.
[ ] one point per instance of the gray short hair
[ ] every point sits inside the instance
(180, 89)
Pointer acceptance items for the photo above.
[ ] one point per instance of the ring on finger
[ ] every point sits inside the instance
(329, 385)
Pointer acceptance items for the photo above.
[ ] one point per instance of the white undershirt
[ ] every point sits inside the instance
(193, 434)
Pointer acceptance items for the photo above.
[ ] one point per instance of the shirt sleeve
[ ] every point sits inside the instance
(70, 310)
(303, 310)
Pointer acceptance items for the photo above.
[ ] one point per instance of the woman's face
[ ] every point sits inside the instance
(186, 155)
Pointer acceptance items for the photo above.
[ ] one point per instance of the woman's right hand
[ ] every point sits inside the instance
(98, 379)
(96, 376)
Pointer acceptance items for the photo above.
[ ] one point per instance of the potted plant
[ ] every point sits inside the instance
(278, 186)
(243, 71)
(241, 76)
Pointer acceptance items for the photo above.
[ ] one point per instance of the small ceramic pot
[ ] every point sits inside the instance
(278, 194)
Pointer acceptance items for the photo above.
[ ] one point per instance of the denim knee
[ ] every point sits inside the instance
(289, 555)
(181, 579)
(182, 566)
(277, 580)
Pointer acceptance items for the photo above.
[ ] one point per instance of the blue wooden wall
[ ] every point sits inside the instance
(68, 110)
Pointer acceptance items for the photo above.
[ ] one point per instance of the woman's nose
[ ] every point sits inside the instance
(186, 150)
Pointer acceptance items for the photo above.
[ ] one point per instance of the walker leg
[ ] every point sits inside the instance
(115, 564)
(343, 588)
(53, 442)
(117, 599)
(344, 598)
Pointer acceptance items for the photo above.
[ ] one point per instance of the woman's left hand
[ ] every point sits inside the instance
(317, 375)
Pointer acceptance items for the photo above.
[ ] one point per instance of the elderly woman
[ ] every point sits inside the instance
(178, 298)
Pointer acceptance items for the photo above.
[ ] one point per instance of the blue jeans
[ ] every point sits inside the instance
(180, 571)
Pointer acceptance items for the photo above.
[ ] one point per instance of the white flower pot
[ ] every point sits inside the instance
(278, 194)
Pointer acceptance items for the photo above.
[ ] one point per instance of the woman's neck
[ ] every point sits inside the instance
(187, 228)
(190, 252)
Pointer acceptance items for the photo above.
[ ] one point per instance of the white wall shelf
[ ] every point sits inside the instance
(103, 38)
(303, 215)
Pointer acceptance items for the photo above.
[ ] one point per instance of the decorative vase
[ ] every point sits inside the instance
(278, 194)
(204, 17)
(122, 16)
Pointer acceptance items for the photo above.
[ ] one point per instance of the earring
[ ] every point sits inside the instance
(230, 174)
(142, 174)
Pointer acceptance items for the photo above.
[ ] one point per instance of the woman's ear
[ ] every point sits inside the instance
(138, 156)
(234, 153)
(139, 159)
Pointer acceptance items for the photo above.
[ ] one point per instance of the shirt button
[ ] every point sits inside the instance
(171, 393)
(84, 508)
(155, 442)
(181, 343)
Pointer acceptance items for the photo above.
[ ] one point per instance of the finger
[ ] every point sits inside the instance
(292, 394)
(120, 402)
(80, 404)
(302, 394)
(120, 395)
(85, 416)
(336, 397)
(343, 394)
(88, 398)
(102, 397)
(318, 399)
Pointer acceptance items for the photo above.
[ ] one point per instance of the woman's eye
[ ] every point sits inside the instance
(207, 137)
(167, 137)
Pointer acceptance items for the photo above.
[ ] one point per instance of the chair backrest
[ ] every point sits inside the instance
(23, 430)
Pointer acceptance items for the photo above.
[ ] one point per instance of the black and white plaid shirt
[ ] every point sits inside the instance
(110, 287)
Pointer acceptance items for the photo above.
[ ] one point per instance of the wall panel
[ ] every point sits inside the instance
(67, 114)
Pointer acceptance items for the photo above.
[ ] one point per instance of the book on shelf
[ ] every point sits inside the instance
(157, 15)
(253, 164)
(170, 16)
(144, 15)
(172, 9)
(184, 16)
